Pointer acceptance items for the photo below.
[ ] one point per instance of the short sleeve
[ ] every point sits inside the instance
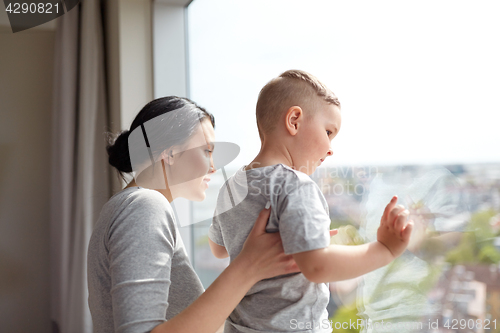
(214, 231)
(304, 222)
(141, 246)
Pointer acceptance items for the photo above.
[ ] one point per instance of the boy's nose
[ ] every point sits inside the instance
(330, 152)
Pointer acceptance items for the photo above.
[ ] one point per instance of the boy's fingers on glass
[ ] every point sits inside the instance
(394, 213)
(389, 207)
(333, 232)
(406, 233)
(400, 222)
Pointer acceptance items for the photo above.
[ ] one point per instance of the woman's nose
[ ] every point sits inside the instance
(211, 169)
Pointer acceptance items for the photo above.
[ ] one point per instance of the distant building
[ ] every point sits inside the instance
(467, 294)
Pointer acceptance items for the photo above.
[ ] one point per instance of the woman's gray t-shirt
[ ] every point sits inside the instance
(139, 274)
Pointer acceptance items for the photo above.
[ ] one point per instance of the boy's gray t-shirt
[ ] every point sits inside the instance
(288, 303)
(139, 274)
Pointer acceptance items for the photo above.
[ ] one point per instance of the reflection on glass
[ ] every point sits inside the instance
(452, 265)
(206, 265)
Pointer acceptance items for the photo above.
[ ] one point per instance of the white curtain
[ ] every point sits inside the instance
(80, 182)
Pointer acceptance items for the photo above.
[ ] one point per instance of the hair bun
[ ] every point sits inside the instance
(118, 153)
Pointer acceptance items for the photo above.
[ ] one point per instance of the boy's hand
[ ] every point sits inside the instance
(394, 231)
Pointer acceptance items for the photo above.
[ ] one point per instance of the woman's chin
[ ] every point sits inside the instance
(198, 197)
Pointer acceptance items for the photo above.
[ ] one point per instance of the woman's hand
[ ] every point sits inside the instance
(263, 251)
(261, 257)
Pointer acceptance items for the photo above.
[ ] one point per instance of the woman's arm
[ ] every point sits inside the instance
(261, 257)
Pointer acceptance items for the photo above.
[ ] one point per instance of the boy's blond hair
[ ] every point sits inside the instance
(292, 88)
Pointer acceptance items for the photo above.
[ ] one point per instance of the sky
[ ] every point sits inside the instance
(419, 82)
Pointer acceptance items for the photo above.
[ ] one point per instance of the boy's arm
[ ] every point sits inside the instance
(218, 251)
(339, 262)
(215, 238)
(342, 262)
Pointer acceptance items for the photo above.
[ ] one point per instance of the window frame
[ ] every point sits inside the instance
(171, 77)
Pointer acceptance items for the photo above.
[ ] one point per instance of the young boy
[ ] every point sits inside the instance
(297, 117)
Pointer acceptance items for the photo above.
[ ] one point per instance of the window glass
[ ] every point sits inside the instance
(418, 83)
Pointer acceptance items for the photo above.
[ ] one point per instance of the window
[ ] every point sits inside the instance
(418, 83)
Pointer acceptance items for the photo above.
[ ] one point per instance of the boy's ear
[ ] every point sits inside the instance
(293, 119)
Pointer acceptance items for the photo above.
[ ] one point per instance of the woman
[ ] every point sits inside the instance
(139, 275)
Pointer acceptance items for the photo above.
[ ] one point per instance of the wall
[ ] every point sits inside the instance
(26, 63)
(26, 67)
(129, 50)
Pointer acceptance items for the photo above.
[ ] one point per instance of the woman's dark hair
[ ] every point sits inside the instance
(174, 128)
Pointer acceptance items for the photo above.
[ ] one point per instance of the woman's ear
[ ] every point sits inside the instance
(293, 119)
(168, 156)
